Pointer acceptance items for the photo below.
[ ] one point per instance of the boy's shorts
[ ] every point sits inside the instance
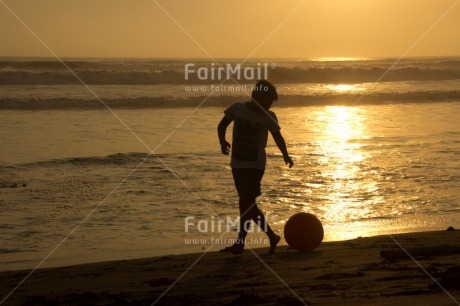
(247, 182)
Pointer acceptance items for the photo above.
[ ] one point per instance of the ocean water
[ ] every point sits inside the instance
(370, 157)
(48, 84)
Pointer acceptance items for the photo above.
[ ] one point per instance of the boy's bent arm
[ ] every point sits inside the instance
(221, 130)
(279, 140)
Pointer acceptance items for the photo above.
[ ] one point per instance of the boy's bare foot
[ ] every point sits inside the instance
(235, 249)
(273, 242)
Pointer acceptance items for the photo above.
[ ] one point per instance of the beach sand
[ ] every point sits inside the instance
(349, 272)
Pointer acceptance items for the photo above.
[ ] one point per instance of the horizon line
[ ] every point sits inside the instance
(318, 58)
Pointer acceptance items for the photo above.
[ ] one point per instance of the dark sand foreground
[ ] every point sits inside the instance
(348, 272)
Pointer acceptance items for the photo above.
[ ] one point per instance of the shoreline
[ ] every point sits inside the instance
(333, 233)
(341, 272)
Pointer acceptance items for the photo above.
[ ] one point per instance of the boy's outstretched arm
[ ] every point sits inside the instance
(221, 129)
(279, 140)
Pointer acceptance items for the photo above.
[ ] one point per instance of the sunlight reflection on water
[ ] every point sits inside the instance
(337, 189)
(341, 162)
(361, 170)
(342, 88)
(358, 166)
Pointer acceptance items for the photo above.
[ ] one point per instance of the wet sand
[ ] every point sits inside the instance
(352, 272)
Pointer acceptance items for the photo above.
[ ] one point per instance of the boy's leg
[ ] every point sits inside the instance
(247, 183)
(259, 218)
(242, 183)
(250, 211)
(245, 218)
(261, 221)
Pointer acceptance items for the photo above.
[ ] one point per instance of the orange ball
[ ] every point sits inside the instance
(303, 232)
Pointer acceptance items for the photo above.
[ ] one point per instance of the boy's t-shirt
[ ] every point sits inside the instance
(250, 133)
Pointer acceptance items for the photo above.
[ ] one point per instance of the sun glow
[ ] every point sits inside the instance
(342, 164)
(338, 59)
(343, 88)
(343, 123)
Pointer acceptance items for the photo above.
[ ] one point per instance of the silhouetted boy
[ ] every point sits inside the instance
(253, 120)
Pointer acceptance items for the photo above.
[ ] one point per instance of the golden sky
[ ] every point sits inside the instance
(260, 28)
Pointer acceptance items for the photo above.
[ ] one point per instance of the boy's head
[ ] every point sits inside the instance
(264, 94)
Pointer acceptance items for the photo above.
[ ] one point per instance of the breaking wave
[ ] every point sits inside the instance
(172, 72)
(221, 101)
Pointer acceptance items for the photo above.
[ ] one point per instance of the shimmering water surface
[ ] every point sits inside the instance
(363, 170)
